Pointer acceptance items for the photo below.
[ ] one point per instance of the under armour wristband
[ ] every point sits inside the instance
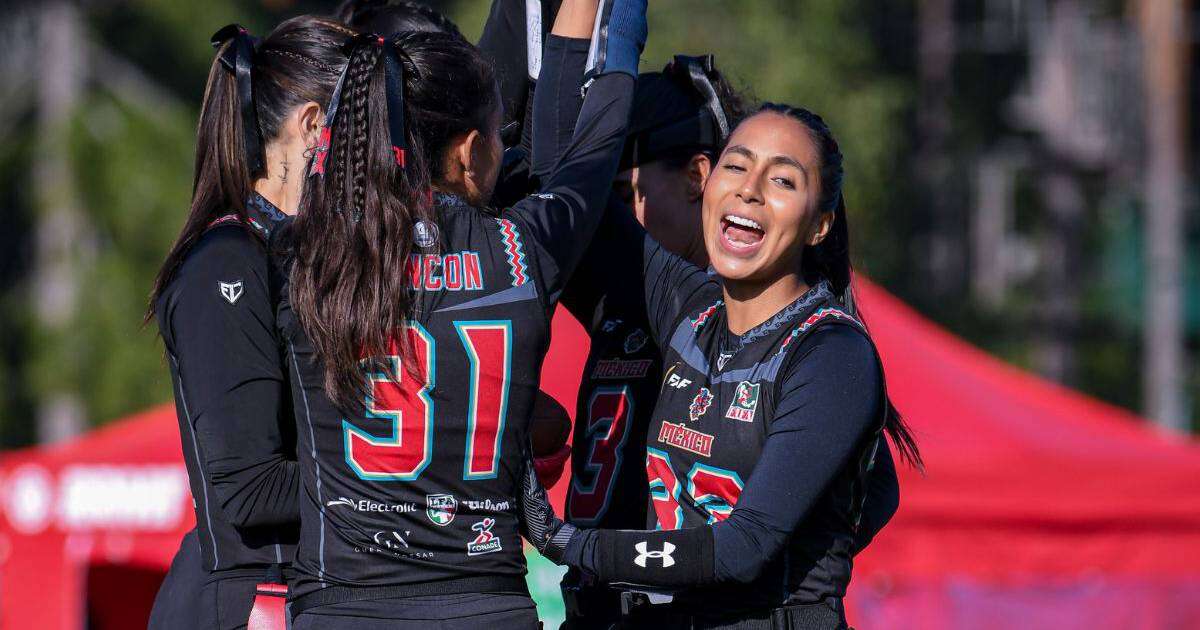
(676, 558)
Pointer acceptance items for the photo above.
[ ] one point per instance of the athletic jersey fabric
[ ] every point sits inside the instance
(217, 322)
(756, 451)
(421, 483)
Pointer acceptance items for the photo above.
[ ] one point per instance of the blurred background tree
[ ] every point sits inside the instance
(995, 173)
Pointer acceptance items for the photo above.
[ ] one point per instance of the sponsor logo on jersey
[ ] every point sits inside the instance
(367, 505)
(485, 541)
(425, 233)
(231, 291)
(616, 368)
(690, 440)
(445, 272)
(678, 382)
(700, 404)
(441, 508)
(391, 540)
(635, 341)
(487, 505)
(745, 402)
(644, 553)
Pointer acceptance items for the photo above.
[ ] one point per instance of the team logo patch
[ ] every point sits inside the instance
(231, 291)
(636, 341)
(700, 404)
(690, 440)
(644, 553)
(425, 233)
(616, 368)
(441, 508)
(485, 541)
(745, 402)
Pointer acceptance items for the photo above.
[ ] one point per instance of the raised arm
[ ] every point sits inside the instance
(560, 219)
(829, 402)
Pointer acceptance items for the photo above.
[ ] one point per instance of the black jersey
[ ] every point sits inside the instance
(235, 420)
(421, 482)
(617, 393)
(729, 493)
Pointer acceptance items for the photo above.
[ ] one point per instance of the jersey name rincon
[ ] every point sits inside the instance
(460, 271)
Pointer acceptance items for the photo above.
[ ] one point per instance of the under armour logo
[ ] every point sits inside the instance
(231, 291)
(665, 554)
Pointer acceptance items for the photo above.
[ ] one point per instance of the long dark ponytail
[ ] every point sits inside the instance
(830, 259)
(298, 62)
(353, 236)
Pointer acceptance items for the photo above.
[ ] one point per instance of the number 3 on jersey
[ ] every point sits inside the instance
(401, 396)
(609, 413)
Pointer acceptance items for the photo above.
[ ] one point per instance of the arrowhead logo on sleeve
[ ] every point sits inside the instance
(745, 402)
(231, 291)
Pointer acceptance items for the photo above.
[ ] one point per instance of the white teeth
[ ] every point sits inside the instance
(742, 221)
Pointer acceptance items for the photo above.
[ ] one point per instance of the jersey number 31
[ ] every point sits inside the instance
(400, 394)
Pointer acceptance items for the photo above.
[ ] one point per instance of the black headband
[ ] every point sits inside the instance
(238, 58)
(394, 97)
(708, 127)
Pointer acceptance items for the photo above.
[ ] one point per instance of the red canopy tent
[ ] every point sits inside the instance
(1040, 507)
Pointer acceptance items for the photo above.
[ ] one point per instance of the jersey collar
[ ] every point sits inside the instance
(815, 295)
(263, 214)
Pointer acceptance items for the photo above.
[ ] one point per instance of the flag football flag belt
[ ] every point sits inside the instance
(492, 584)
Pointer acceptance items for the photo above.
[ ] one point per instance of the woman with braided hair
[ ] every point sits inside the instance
(260, 120)
(415, 319)
(772, 408)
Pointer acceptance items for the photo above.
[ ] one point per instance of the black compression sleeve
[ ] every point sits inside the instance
(562, 218)
(229, 366)
(557, 108)
(830, 399)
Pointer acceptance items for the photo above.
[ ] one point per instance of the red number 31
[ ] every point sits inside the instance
(400, 395)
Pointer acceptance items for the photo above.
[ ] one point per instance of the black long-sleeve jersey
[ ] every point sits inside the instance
(217, 321)
(757, 451)
(421, 482)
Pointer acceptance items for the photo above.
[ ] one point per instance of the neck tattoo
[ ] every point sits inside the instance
(283, 176)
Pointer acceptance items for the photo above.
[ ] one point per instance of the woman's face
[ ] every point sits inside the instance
(761, 201)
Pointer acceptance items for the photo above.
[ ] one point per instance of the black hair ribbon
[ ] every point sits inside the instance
(697, 71)
(394, 96)
(238, 58)
(393, 78)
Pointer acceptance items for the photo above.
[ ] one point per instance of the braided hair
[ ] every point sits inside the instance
(830, 259)
(353, 237)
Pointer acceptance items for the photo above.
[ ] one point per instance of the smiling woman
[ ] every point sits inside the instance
(759, 452)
